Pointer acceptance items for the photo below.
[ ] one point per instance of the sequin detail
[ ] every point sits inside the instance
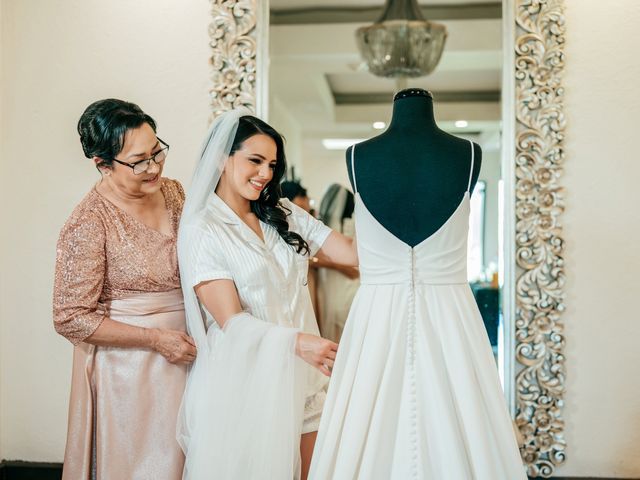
(104, 254)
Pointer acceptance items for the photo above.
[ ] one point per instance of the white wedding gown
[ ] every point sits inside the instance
(414, 392)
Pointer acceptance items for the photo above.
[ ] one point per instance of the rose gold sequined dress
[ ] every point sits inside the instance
(124, 401)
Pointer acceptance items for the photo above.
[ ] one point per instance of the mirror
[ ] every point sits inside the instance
(323, 99)
(531, 352)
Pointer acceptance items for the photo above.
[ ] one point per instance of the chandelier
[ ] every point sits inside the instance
(401, 43)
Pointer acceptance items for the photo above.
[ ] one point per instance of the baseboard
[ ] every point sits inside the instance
(18, 470)
(583, 478)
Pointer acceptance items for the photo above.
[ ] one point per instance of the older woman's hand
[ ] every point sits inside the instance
(175, 346)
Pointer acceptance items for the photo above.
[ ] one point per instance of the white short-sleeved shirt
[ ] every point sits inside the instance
(271, 278)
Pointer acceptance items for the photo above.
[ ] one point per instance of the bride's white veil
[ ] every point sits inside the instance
(213, 156)
(241, 413)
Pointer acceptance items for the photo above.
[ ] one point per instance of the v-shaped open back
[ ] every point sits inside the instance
(465, 198)
(439, 258)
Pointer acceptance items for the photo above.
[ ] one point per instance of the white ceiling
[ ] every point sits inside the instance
(311, 62)
(441, 80)
(283, 4)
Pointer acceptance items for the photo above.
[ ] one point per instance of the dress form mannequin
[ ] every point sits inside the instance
(413, 176)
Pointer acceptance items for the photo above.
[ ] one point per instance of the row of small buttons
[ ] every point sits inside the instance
(411, 357)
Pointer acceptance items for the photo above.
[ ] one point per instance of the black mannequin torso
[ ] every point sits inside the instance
(413, 176)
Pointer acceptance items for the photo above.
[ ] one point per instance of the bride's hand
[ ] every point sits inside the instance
(317, 351)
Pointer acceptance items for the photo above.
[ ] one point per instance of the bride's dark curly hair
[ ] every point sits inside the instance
(268, 208)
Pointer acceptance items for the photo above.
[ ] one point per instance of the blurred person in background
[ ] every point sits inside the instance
(331, 286)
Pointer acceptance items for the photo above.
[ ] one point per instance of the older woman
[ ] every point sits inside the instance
(117, 298)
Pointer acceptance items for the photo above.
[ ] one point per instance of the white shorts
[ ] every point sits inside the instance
(313, 411)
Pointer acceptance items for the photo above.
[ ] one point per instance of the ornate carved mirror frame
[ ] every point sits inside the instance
(533, 158)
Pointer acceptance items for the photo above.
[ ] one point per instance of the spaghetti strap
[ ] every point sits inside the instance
(353, 168)
(470, 173)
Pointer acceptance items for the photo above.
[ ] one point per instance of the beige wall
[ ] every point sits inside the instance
(281, 118)
(57, 56)
(3, 244)
(321, 168)
(602, 227)
(60, 56)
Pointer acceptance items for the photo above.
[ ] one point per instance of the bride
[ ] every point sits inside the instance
(252, 405)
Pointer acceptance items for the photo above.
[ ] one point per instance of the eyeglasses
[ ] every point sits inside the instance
(142, 166)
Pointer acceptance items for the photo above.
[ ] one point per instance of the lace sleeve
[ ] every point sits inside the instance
(79, 277)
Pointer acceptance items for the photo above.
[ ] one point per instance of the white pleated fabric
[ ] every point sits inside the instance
(414, 393)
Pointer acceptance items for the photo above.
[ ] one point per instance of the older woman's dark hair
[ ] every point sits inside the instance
(267, 208)
(103, 125)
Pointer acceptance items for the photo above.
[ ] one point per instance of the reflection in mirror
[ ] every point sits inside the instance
(337, 285)
(323, 99)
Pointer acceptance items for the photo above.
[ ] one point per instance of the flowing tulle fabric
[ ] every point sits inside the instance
(254, 432)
